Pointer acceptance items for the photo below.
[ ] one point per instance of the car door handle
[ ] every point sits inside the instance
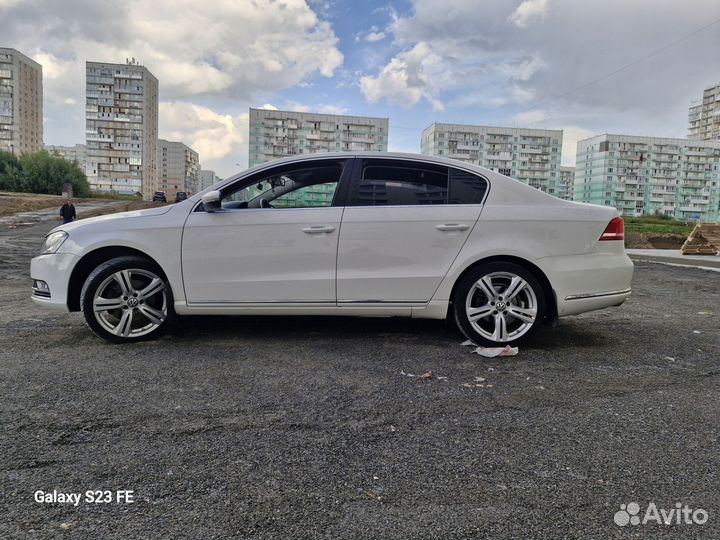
(318, 229)
(452, 227)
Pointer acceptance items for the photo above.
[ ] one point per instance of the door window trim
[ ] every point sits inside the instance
(362, 162)
(338, 199)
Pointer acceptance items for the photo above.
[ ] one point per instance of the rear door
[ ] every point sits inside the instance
(403, 225)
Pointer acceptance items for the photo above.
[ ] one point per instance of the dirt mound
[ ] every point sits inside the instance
(636, 240)
(121, 207)
(11, 203)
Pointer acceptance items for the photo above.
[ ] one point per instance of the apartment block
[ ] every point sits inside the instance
(76, 153)
(704, 116)
(121, 127)
(277, 134)
(178, 168)
(531, 156)
(207, 178)
(567, 183)
(650, 175)
(21, 103)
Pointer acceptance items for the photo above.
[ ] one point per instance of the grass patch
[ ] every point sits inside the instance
(109, 195)
(658, 225)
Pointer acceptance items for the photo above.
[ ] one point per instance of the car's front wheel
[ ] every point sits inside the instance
(127, 299)
(499, 303)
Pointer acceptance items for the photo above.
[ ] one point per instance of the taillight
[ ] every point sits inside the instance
(615, 230)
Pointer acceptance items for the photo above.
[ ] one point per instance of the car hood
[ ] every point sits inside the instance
(146, 212)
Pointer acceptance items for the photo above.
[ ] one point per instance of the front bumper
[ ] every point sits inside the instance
(54, 269)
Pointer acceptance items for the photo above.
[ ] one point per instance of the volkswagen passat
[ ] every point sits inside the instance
(343, 234)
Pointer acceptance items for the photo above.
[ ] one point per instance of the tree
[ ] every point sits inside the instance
(41, 172)
(9, 171)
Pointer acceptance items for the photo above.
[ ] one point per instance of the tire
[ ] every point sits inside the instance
(482, 295)
(127, 299)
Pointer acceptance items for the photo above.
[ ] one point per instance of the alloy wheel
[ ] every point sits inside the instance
(501, 306)
(131, 303)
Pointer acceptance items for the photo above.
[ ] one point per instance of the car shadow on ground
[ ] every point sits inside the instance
(275, 327)
(570, 333)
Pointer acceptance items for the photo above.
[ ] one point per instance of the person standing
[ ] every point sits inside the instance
(68, 212)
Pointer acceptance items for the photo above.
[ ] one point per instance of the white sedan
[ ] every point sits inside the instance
(377, 235)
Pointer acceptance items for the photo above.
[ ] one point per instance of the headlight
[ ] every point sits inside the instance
(53, 242)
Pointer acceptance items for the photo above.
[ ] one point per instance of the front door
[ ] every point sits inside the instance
(273, 241)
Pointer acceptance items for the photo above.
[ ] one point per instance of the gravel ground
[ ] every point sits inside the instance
(306, 428)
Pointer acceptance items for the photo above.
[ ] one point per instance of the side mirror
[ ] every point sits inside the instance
(211, 201)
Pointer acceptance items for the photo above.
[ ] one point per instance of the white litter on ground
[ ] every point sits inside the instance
(493, 352)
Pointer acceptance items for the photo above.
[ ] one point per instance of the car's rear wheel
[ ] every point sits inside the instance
(127, 299)
(499, 303)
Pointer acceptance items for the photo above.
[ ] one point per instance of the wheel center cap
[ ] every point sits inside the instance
(500, 306)
(132, 302)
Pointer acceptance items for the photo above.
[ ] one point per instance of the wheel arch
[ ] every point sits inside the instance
(551, 315)
(92, 260)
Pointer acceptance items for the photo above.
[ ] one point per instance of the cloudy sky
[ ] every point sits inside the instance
(498, 62)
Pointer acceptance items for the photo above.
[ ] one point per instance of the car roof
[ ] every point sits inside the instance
(345, 155)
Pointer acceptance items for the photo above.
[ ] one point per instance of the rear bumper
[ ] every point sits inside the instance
(588, 282)
(575, 305)
(54, 269)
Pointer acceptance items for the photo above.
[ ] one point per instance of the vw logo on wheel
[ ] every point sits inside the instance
(132, 302)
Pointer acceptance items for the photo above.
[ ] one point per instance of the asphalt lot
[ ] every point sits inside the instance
(306, 428)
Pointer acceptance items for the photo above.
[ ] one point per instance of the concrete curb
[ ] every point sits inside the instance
(675, 258)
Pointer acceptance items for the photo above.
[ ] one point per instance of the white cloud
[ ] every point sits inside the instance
(522, 69)
(302, 107)
(528, 11)
(571, 135)
(478, 100)
(295, 107)
(268, 107)
(449, 48)
(521, 95)
(409, 77)
(332, 109)
(548, 66)
(52, 66)
(220, 53)
(212, 135)
(530, 117)
(371, 36)
(374, 35)
(233, 49)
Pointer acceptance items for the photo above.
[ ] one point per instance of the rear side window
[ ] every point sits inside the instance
(400, 185)
(466, 187)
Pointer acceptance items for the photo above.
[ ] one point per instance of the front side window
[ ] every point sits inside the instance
(397, 184)
(303, 186)
(310, 196)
